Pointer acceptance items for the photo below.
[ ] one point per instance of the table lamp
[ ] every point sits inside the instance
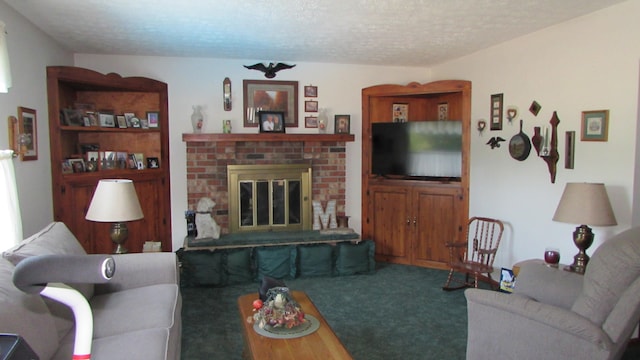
(115, 201)
(584, 203)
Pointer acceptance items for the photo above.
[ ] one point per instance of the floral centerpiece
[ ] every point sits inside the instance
(278, 311)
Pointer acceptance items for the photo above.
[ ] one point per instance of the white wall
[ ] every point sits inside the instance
(589, 63)
(198, 81)
(30, 52)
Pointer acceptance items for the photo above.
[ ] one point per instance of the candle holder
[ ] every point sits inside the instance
(551, 157)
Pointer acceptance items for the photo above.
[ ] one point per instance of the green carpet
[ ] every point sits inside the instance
(400, 312)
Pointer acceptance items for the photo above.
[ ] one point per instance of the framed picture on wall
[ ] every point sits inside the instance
(595, 125)
(270, 95)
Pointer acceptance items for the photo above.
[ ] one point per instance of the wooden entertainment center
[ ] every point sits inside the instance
(411, 219)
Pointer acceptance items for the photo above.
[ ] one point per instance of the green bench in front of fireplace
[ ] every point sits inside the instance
(247, 257)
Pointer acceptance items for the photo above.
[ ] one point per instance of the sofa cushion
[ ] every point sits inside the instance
(147, 307)
(354, 259)
(142, 344)
(26, 315)
(54, 239)
(203, 268)
(278, 262)
(238, 266)
(614, 266)
(315, 260)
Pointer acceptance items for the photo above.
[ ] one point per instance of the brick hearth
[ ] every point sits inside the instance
(207, 161)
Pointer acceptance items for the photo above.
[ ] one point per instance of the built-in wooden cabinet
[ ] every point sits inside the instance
(411, 219)
(71, 88)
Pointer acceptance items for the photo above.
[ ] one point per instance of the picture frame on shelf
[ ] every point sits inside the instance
(132, 163)
(496, 111)
(311, 106)
(154, 119)
(271, 121)
(595, 125)
(107, 160)
(73, 117)
(270, 95)
(93, 118)
(311, 121)
(153, 163)
(342, 124)
(77, 165)
(144, 123)
(106, 119)
(128, 116)
(66, 167)
(400, 113)
(310, 91)
(27, 134)
(443, 111)
(122, 121)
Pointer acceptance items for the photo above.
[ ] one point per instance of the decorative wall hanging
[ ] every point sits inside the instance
(519, 145)
(496, 112)
(400, 113)
(310, 91)
(595, 125)
(270, 95)
(512, 113)
(552, 158)
(535, 108)
(311, 121)
(494, 142)
(226, 94)
(569, 148)
(536, 139)
(481, 126)
(269, 70)
(26, 140)
(311, 106)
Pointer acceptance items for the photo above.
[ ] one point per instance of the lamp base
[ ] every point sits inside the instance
(119, 233)
(583, 238)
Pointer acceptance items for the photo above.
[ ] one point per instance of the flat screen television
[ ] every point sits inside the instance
(422, 149)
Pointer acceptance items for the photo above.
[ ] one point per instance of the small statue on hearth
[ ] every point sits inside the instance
(206, 225)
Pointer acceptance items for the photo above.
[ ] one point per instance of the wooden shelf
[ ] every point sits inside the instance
(210, 137)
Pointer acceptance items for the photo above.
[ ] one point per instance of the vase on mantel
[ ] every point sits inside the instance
(197, 119)
(323, 121)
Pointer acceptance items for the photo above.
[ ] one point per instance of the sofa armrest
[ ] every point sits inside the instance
(141, 269)
(548, 285)
(551, 332)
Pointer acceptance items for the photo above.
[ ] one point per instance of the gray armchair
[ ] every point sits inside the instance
(555, 314)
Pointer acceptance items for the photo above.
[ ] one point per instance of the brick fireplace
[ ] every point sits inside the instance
(209, 154)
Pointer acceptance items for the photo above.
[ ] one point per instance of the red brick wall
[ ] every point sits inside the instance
(207, 169)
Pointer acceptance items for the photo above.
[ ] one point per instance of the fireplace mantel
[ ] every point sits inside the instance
(238, 137)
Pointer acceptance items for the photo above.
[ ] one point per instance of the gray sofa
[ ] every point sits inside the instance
(555, 314)
(137, 314)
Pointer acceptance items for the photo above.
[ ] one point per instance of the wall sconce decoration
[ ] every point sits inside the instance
(226, 94)
(481, 126)
(23, 134)
(5, 69)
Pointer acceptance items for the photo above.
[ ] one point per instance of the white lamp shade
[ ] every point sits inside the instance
(585, 203)
(115, 200)
(5, 70)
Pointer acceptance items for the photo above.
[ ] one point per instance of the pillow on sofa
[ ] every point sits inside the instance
(354, 259)
(54, 239)
(26, 315)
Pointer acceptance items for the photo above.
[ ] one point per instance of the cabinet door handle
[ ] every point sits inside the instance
(415, 220)
(408, 221)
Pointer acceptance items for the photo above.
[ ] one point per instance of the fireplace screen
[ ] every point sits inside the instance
(269, 197)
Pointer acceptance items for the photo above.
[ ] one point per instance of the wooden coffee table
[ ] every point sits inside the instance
(322, 344)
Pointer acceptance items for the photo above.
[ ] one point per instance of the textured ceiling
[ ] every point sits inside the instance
(382, 32)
